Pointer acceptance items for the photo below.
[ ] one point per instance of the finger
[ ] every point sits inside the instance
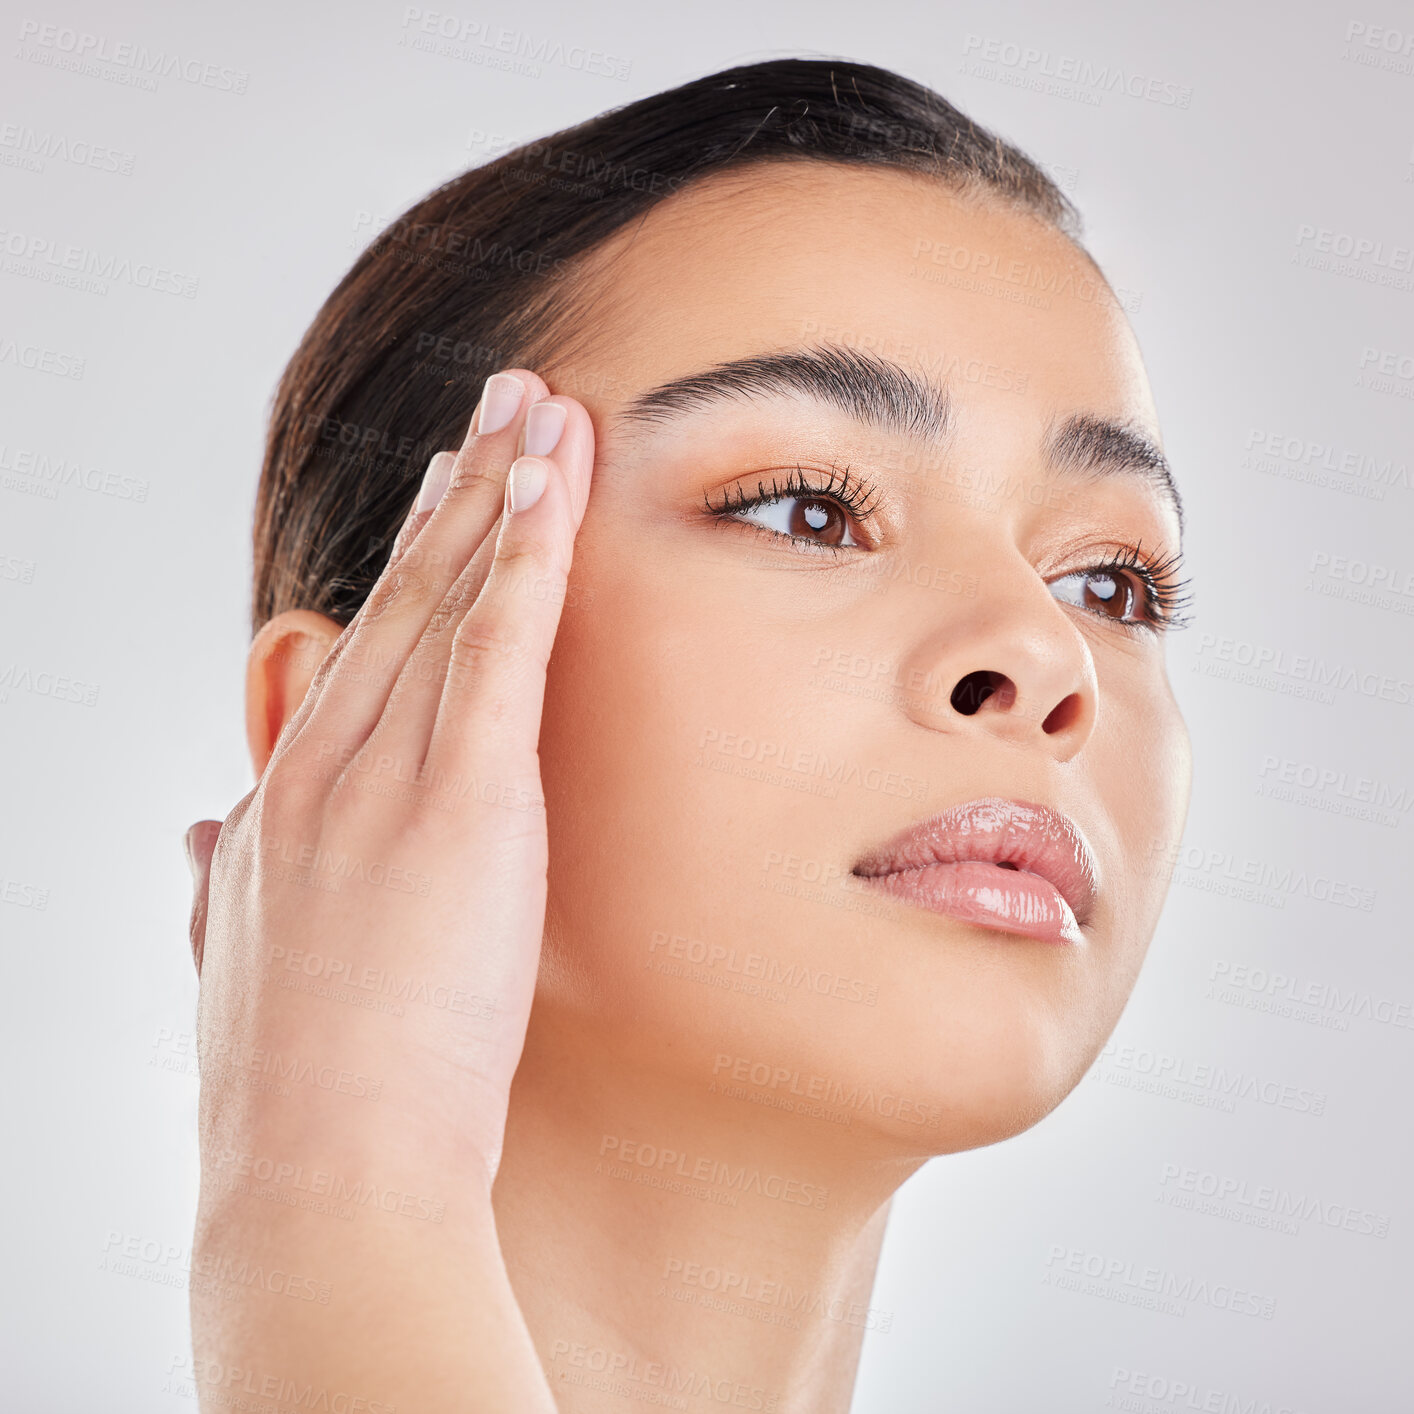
(454, 510)
(200, 842)
(558, 426)
(574, 449)
(438, 474)
(491, 705)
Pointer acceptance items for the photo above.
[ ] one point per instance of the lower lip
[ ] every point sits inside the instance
(1008, 900)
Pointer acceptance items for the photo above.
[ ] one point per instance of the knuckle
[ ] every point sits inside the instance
(525, 563)
(453, 607)
(477, 475)
(482, 645)
(531, 575)
(404, 585)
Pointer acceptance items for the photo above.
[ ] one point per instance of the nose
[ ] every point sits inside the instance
(1010, 663)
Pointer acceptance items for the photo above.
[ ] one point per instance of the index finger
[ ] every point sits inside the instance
(456, 506)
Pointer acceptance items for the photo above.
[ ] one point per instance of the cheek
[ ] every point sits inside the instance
(691, 739)
(621, 713)
(654, 724)
(685, 821)
(1142, 768)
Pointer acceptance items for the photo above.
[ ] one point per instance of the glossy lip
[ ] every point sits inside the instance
(952, 863)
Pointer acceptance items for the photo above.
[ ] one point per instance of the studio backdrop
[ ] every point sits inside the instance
(1218, 1218)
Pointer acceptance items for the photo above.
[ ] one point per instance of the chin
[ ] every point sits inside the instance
(985, 1074)
(965, 1036)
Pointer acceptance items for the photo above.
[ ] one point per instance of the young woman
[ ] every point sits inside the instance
(568, 1019)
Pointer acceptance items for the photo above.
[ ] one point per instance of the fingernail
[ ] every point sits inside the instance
(543, 425)
(526, 483)
(190, 851)
(435, 481)
(499, 400)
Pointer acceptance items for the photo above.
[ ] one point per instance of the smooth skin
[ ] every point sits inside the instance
(444, 667)
(675, 632)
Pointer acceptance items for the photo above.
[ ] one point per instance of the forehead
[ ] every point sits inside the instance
(974, 295)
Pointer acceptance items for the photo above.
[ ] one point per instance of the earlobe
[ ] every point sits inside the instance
(283, 659)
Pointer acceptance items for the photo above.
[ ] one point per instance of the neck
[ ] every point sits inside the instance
(688, 1244)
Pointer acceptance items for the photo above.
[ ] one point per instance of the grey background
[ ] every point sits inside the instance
(1196, 211)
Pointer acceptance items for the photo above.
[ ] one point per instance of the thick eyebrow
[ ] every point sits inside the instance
(869, 388)
(878, 392)
(1096, 446)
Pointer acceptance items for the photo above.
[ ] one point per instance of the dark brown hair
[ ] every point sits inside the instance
(476, 275)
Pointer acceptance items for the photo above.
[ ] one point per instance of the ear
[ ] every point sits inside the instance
(283, 659)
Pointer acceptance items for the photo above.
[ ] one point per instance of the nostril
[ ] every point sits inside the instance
(976, 688)
(1064, 714)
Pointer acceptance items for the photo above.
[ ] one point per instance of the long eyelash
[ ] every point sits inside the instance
(850, 492)
(1167, 596)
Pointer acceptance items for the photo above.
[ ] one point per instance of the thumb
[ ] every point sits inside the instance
(200, 842)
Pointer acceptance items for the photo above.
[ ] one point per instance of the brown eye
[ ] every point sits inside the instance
(1117, 594)
(1111, 594)
(818, 520)
(814, 519)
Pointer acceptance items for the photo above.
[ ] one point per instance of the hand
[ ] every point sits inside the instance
(394, 848)
(200, 844)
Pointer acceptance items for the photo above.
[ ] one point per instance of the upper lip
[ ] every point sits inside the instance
(1031, 837)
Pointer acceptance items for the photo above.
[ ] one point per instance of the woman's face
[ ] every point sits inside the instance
(735, 719)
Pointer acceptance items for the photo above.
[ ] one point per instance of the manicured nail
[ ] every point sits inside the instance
(543, 425)
(526, 483)
(499, 400)
(435, 482)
